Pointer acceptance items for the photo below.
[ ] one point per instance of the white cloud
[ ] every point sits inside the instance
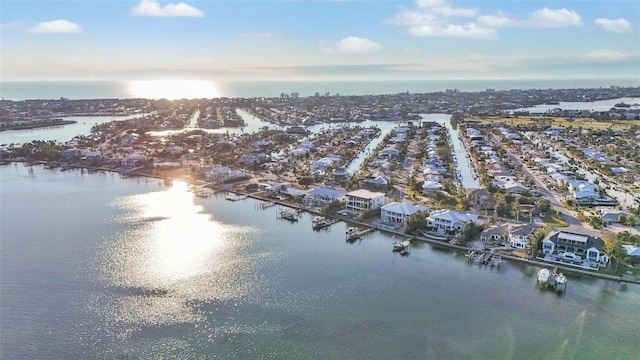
(59, 26)
(11, 25)
(437, 18)
(153, 8)
(469, 30)
(618, 25)
(441, 7)
(497, 20)
(355, 45)
(550, 18)
(605, 55)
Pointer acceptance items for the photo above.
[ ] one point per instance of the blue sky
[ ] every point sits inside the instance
(319, 40)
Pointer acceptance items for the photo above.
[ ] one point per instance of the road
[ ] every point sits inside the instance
(552, 196)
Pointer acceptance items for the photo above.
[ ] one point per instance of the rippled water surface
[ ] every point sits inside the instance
(96, 266)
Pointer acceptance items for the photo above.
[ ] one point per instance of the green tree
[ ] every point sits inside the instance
(471, 230)
(544, 205)
(417, 220)
(306, 181)
(613, 248)
(332, 207)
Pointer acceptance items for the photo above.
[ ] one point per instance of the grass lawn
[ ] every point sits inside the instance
(555, 219)
(585, 123)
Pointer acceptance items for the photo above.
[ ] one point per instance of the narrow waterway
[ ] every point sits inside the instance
(466, 172)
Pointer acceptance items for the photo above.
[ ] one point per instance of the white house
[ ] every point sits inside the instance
(132, 161)
(449, 220)
(398, 212)
(364, 200)
(221, 174)
(585, 247)
(323, 196)
(519, 235)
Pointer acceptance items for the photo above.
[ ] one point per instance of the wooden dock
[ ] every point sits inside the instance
(234, 197)
(321, 222)
(288, 214)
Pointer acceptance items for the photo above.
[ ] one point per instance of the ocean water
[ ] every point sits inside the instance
(95, 266)
(207, 88)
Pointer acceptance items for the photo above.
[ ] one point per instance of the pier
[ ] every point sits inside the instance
(234, 197)
(354, 234)
(321, 222)
(483, 257)
(288, 214)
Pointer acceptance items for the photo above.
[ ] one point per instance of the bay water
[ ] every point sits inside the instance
(100, 266)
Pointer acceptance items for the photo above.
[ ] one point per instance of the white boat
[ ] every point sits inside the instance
(352, 233)
(401, 245)
(544, 276)
(551, 278)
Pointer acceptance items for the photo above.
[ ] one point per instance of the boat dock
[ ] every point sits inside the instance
(402, 247)
(551, 278)
(265, 205)
(234, 197)
(321, 222)
(288, 214)
(483, 257)
(353, 233)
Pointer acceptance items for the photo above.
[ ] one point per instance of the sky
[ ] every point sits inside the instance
(319, 40)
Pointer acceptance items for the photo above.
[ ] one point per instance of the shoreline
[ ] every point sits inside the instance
(422, 238)
(256, 196)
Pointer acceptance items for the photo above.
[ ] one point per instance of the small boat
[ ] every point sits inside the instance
(551, 278)
(289, 215)
(399, 246)
(352, 233)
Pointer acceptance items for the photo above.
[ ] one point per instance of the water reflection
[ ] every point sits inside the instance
(169, 258)
(173, 89)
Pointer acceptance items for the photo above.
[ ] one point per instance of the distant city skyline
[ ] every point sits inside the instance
(319, 40)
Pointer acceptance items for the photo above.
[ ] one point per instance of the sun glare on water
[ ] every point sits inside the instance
(173, 89)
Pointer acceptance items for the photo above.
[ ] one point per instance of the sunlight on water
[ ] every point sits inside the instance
(170, 257)
(173, 89)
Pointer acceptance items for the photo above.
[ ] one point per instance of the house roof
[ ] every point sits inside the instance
(632, 250)
(405, 208)
(327, 192)
(365, 194)
(583, 241)
(454, 216)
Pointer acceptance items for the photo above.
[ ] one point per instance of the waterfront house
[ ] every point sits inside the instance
(494, 233)
(575, 249)
(364, 200)
(323, 196)
(398, 212)
(133, 161)
(519, 234)
(221, 174)
(450, 221)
